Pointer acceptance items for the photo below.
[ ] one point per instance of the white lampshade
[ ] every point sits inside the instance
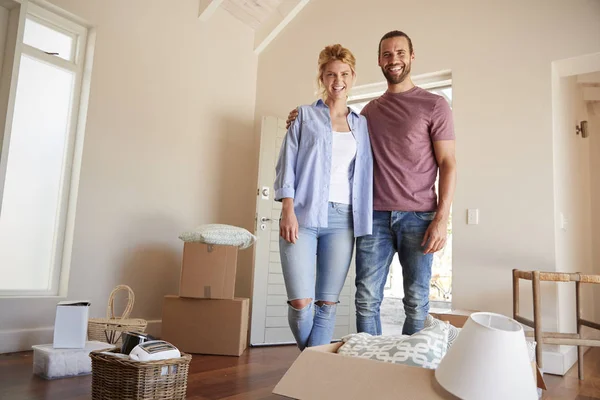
(488, 360)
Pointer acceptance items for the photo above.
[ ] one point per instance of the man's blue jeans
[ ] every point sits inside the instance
(393, 231)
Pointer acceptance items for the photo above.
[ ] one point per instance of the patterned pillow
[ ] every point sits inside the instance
(423, 349)
(227, 235)
(452, 330)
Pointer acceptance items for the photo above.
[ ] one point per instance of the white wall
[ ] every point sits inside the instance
(572, 200)
(169, 145)
(500, 54)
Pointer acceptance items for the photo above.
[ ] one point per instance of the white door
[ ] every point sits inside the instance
(269, 324)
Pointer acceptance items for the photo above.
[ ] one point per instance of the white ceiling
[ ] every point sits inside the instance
(252, 12)
(266, 17)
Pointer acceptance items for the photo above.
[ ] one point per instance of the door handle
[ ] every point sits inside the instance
(265, 219)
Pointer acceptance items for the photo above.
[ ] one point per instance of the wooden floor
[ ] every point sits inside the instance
(249, 377)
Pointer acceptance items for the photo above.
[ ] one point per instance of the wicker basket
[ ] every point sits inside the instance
(109, 329)
(116, 378)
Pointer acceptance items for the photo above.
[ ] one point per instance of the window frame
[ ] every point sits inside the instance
(80, 65)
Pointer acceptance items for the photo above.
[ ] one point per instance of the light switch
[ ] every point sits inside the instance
(473, 216)
(563, 222)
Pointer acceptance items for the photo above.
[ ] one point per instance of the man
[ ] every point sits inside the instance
(412, 136)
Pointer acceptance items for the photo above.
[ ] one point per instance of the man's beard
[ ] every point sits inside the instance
(396, 79)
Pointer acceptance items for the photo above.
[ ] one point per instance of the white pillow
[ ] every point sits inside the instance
(423, 349)
(227, 235)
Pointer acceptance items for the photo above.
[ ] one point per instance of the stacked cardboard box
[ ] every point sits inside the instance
(206, 318)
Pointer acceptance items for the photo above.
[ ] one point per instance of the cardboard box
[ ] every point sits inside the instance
(320, 373)
(353, 378)
(70, 324)
(206, 326)
(454, 317)
(208, 271)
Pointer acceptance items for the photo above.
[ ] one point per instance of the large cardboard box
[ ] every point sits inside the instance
(206, 326)
(208, 271)
(352, 378)
(320, 373)
(70, 324)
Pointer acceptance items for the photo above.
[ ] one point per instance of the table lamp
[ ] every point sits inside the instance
(488, 360)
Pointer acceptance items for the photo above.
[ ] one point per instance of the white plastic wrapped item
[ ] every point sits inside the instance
(154, 350)
(226, 235)
(51, 363)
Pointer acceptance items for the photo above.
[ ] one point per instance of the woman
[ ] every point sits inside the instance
(325, 181)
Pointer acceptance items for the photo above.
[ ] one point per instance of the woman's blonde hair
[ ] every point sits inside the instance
(332, 53)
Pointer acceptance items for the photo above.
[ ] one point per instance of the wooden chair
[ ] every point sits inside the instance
(568, 339)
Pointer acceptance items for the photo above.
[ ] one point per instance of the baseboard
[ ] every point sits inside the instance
(559, 362)
(22, 339)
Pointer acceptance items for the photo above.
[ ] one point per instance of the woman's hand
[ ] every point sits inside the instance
(288, 226)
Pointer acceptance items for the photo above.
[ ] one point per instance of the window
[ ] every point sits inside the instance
(37, 159)
(441, 281)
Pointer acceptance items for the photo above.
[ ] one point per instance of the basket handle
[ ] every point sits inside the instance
(110, 310)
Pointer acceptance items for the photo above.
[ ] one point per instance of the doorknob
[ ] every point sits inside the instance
(264, 192)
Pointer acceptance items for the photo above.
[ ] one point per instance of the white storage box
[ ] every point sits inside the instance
(51, 363)
(70, 325)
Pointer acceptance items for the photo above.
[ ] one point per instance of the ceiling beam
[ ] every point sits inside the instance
(269, 30)
(208, 8)
(591, 93)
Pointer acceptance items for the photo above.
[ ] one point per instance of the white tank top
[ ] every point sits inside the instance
(342, 167)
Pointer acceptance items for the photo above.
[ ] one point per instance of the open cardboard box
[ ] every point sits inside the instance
(320, 373)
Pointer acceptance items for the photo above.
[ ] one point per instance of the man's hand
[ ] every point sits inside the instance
(291, 118)
(435, 236)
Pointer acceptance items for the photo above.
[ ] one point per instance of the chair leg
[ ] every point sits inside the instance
(578, 313)
(537, 318)
(515, 288)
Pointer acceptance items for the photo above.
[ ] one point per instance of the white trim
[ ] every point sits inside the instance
(48, 59)
(577, 65)
(206, 8)
(54, 20)
(56, 28)
(74, 166)
(22, 339)
(10, 109)
(265, 34)
(559, 362)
